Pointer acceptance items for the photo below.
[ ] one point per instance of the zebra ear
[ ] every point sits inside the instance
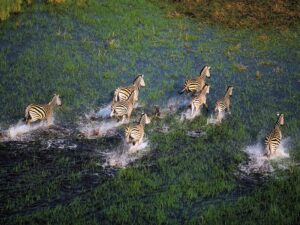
(278, 114)
(208, 68)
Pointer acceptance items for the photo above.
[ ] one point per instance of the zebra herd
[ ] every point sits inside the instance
(125, 98)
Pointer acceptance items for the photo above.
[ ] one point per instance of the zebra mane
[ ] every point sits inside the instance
(203, 68)
(138, 76)
(229, 87)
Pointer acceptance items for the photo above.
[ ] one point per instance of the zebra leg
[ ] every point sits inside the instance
(141, 139)
(192, 112)
(50, 121)
(268, 151)
(228, 110)
(206, 106)
(123, 119)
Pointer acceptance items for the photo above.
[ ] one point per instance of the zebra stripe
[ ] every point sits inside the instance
(224, 103)
(197, 84)
(273, 139)
(135, 134)
(42, 112)
(123, 93)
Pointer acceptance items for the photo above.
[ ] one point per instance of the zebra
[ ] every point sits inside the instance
(122, 109)
(123, 93)
(200, 99)
(134, 134)
(36, 112)
(224, 103)
(272, 140)
(196, 85)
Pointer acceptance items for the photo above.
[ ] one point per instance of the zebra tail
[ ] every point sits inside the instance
(267, 150)
(27, 115)
(182, 91)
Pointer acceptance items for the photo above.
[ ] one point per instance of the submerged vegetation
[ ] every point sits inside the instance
(83, 54)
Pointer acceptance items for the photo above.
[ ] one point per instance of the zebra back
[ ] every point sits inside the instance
(273, 139)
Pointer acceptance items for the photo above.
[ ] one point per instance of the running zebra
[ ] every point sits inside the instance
(200, 99)
(123, 93)
(122, 109)
(272, 140)
(135, 134)
(224, 103)
(196, 85)
(35, 112)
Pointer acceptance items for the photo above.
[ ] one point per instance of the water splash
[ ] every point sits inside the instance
(259, 163)
(216, 119)
(104, 112)
(125, 154)
(187, 115)
(93, 129)
(177, 103)
(15, 132)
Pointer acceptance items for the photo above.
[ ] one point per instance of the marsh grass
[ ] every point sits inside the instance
(243, 13)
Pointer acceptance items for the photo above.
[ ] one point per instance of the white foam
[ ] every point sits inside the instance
(104, 112)
(97, 129)
(125, 154)
(21, 128)
(260, 163)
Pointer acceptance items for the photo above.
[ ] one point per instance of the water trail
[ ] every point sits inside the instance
(259, 163)
(125, 154)
(15, 132)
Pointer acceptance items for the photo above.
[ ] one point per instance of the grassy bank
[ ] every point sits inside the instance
(244, 13)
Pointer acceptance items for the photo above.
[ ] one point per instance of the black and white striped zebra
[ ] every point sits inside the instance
(122, 109)
(36, 112)
(123, 93)
(200, 99)
(273, 139)
(195, 85)
(135, 134)
(224, 103)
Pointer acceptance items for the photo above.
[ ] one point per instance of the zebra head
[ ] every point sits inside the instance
(280, 118)
(207, 87)
(139, 80)
(229, 90)
(145, 119)
(205, 71)
(57, 100)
